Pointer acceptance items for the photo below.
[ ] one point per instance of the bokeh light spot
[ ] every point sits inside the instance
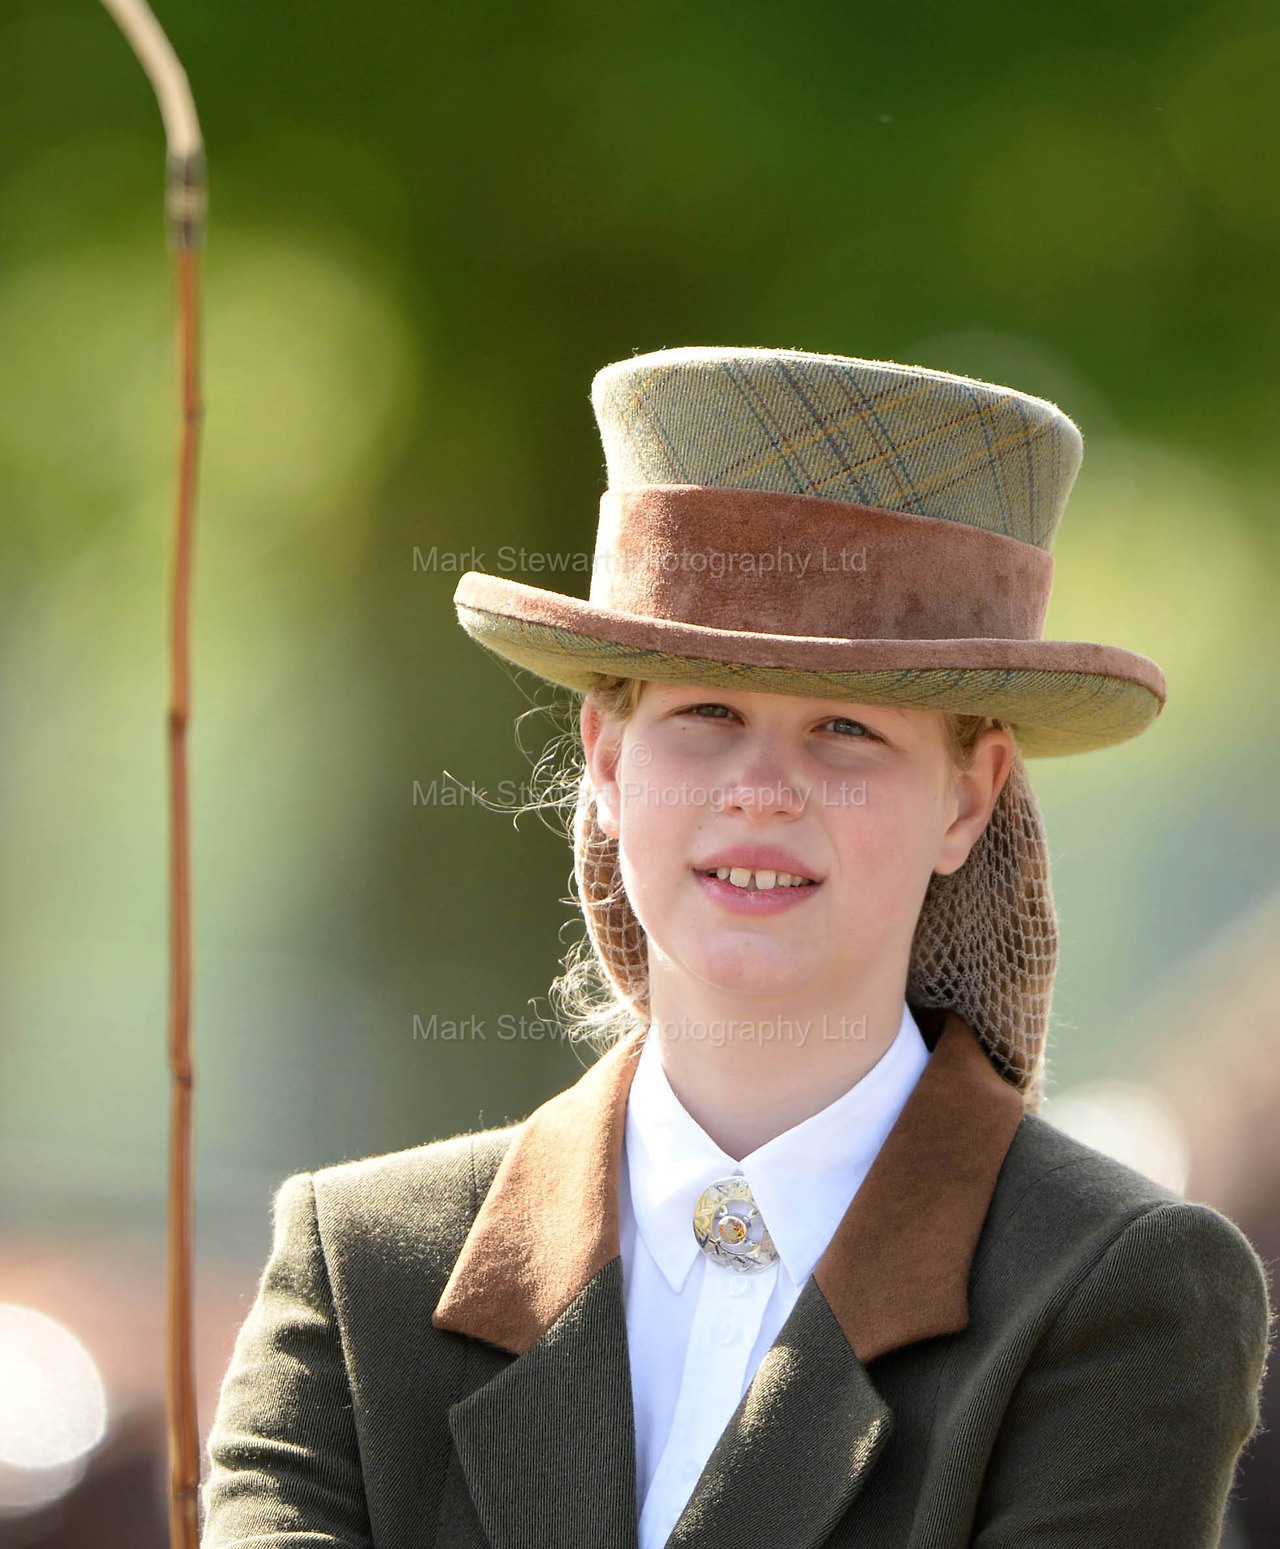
(53, 1406)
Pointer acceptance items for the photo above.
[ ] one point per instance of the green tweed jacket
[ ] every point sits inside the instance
(1010, 1341)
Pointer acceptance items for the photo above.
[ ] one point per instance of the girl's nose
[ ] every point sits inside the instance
(765, 785)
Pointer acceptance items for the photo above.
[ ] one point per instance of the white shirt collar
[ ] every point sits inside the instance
(803, 1180)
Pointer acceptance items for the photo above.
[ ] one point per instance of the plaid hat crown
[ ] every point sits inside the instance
(870, 433)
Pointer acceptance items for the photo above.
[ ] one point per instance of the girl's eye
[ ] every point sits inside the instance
(858, 728)
(846, 725)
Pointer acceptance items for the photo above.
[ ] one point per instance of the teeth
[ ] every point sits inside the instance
(743, 876)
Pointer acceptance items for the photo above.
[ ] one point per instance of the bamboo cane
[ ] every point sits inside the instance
(185, 210)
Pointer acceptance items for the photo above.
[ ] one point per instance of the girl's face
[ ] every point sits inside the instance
(828, 817)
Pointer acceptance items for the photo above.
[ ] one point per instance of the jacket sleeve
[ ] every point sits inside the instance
(1127, 1422)
(284, 1462)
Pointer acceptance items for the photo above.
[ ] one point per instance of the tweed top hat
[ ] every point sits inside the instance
(817, 525)
(852, 529)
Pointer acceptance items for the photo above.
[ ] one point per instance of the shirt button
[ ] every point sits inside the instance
(726, 1334)
(739, 1287)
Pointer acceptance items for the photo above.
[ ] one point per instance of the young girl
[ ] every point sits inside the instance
(795, 1262)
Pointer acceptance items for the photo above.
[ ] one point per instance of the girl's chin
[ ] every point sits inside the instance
(749, 968)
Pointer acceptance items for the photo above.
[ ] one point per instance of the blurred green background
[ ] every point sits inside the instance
(430, 225)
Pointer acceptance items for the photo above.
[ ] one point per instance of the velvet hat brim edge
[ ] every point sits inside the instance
(1056, 696)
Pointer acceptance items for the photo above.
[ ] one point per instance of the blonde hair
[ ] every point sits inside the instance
(985, 944)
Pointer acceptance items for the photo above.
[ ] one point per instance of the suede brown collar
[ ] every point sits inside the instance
(896, 1270)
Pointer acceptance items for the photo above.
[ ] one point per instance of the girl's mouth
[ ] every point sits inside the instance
(745, 891)
(744, 878)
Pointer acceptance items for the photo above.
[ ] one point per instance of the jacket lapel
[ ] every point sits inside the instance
(897, 1269)
(798, 1447)
(548, 1445)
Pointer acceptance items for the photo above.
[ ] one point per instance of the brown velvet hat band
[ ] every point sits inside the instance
(801, 565)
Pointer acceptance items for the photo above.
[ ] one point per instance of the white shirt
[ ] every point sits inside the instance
(697, 1331)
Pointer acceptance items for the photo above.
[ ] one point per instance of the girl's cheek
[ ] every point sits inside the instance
(870, 841)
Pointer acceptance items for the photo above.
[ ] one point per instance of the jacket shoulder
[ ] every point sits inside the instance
(410, 1208)
(1062, 1204)
(1064, 1171)
(333, 1415)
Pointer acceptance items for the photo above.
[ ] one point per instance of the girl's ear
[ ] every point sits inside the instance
(975, 792)
(602, 745)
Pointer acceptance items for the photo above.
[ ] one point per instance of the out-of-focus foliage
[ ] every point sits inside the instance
(430, 225)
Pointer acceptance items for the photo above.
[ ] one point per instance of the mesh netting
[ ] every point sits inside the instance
(986, 944)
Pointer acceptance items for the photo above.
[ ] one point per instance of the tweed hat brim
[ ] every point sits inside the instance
(1056, 696)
